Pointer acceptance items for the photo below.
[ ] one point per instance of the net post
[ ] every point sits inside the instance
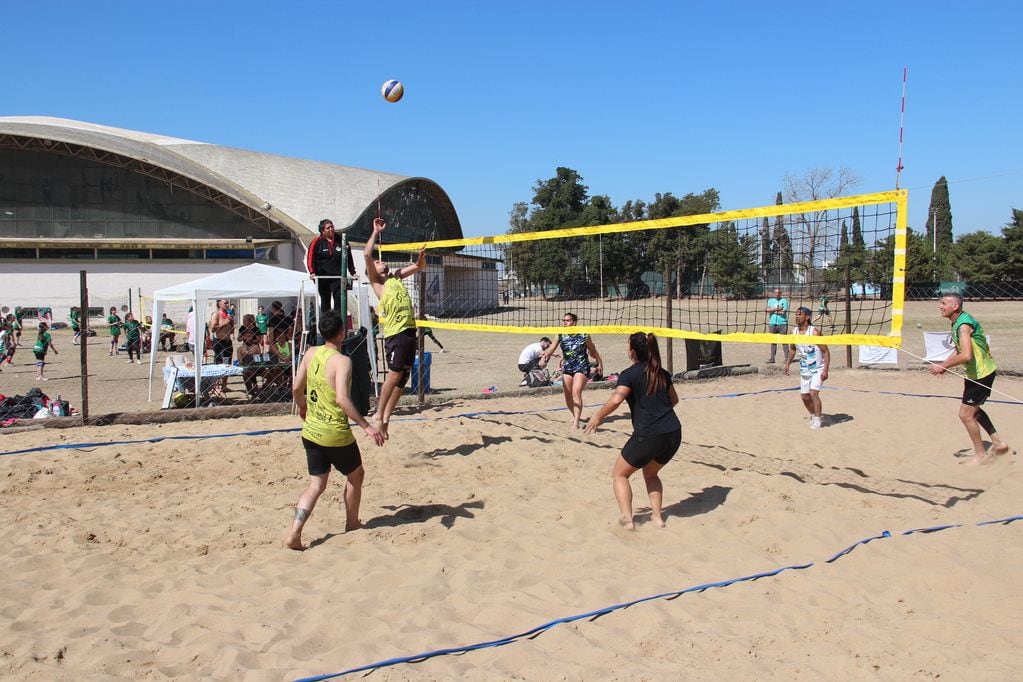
(420, 340)
(668, 305)
(848, 314)
(343, 298)
(83, 340)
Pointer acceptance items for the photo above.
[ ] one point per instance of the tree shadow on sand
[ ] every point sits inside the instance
(421, 513)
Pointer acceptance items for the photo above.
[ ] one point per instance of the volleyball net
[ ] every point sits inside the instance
(703, 276)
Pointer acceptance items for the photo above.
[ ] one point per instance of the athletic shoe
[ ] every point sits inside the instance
(138, 362)
(815, 422)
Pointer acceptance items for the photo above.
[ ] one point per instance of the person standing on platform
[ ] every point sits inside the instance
(323, 261)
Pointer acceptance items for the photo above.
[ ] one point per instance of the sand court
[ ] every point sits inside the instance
(487, 518)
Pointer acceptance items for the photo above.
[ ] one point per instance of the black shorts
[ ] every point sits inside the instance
(344, 458)
(977, 391)
(40, 355)
(223, 349)
(400, 350)
(641, 450)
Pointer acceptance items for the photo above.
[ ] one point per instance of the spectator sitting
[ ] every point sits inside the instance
(166, 333)
(249, 349)
(532, 357)
(147, 334)
(277, 324)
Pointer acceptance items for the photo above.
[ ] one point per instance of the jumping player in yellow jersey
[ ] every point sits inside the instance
(398, 321)
(321, 393)
(973, 353)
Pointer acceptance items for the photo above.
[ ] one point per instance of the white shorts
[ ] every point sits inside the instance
(810, 383)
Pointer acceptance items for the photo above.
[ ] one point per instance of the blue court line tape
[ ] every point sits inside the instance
(155, 439)
(468, 415)
(532, 632)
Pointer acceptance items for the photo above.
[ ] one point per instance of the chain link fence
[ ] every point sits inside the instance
(93, 378)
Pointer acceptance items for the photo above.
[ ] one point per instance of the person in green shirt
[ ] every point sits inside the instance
(114, 320)
(133, 335)
(44, 342)
(76, 324)
(262, 323)
(973, 353)
(397, 319)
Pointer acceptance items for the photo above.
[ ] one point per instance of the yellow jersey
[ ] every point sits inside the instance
(325, 422)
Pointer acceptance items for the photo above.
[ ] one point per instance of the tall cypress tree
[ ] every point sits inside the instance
(857, 231)
(782, 247)
(940, 210)
(765, 249)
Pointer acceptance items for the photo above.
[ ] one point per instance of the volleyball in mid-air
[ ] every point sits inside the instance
(392, 90)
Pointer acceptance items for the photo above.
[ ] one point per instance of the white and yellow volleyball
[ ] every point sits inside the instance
(392, 90)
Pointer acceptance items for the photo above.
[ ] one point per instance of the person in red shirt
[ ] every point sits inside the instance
(323, 261)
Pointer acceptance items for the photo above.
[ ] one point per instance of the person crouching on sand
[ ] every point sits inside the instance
(656, 429)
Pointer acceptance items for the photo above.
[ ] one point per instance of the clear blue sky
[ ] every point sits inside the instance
(638, 97)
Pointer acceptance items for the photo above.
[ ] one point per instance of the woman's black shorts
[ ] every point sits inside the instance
(641, 450)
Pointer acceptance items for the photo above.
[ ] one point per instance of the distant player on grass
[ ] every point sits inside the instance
(973, 353)
(657, 432)
(398, 321)
(321, 394)
(814, 361)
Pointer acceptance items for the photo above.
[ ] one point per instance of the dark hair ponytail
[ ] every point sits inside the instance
(644, 346)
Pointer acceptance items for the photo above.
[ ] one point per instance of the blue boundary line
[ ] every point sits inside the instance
(532, 632)
(463, 415)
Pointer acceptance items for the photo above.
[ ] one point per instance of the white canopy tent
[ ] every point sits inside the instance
(251, 281)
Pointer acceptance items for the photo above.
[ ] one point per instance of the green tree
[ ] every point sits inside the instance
(681, 251)
(558, 202)
(980, 257)
(782, 248)
(919, 265)
(939, 222)
(732, 261)
(1012, 234)
(766, 252)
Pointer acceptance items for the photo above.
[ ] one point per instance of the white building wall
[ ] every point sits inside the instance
(55, 283)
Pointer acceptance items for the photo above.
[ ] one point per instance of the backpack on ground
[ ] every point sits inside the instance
(536, 378)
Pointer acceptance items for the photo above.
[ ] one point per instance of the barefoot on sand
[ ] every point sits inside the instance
(294, 542)
(355, 525)
(626, 523)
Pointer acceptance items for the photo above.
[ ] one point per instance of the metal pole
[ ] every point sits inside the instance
(421, 295)
(848, 313)
(668, 305)
(344, 283)
(83, 351)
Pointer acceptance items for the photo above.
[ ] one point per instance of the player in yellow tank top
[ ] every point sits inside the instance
(973, 354)
(397, 319)
(321, 393)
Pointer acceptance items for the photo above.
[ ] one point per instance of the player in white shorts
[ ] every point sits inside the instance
(814, 361)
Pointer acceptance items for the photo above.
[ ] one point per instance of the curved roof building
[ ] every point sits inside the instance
(70, 189)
